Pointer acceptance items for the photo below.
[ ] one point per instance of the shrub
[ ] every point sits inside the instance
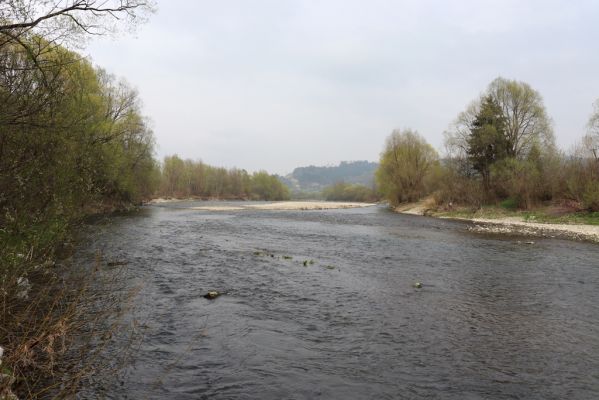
(590, 199)
(347, 192)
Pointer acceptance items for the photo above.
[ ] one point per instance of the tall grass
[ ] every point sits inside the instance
(55, 322)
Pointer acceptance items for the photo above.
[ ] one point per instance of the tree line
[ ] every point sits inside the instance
(73, 141)
(187, 178)
(501, 149)
(343, 191)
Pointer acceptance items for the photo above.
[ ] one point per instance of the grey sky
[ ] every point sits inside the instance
(281, 83)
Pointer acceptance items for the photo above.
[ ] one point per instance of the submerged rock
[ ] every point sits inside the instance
(213, 294)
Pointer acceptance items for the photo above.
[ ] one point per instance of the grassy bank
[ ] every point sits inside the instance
(555, 221)
(542, 215)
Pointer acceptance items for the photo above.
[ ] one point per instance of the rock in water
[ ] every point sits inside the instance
(213, 294)
(418, 285)
(116, 263)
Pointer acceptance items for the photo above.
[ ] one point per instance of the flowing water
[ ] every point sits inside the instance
(495, 319)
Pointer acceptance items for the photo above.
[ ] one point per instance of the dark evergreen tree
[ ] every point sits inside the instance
(487, 142)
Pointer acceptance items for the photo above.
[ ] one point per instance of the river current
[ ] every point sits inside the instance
(322, 304)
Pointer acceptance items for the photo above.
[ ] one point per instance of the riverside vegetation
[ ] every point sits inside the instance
(73, 142)
(501, 160)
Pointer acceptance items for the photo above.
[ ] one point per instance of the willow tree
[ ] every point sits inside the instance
(265, 186)
(405, 162)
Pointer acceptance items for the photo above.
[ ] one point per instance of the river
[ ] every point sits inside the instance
(322, 304)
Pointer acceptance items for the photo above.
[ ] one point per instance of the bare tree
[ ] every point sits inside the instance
(35, 27)
(591, 140)
(60, 18)
(456, 137)
(526, 121)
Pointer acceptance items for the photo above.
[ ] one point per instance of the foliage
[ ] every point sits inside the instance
(579, 217)
(526, 121)
(79, 142)
(581, 176)
(591, 140)
(350, 192)
(504, 140)
(451, 184)
(517, 180)
(405, 163)
(509, 204)
(487, 141)
(590, 197)
(73, 141)
(187, 178)
(267, 187)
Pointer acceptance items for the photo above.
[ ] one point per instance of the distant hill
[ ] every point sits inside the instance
(314, 179)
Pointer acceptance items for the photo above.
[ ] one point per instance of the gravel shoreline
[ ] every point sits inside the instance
(277, 205)
(516, 226)
(511, 226)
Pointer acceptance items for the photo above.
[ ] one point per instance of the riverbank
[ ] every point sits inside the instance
(505, 222)
(271, 206)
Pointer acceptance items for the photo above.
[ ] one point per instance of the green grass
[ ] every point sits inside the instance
(509, 204)
(490, 212)
(539, 215)
(581, 217)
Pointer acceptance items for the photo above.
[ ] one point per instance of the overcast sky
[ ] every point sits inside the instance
(283, 83)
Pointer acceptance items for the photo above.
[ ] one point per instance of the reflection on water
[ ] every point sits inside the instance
(494, 319)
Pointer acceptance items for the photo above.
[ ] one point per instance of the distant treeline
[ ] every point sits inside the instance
(187, 178)
(331, 174)
(501, 150)
(314, 178)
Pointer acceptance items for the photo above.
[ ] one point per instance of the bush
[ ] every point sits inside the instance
(453, 185)
(509, 204)
(517, 180)
(590, 199)
(347, 192)
(268, 187)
